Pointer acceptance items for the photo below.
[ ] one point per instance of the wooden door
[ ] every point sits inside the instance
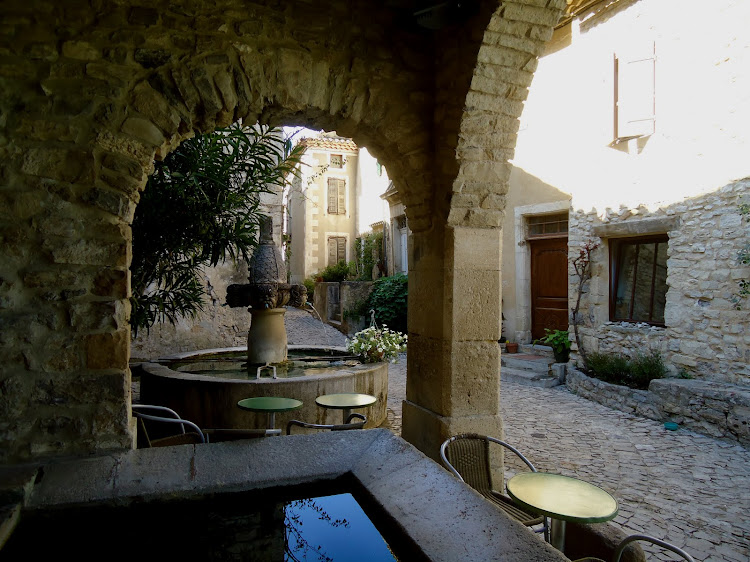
(549, 285)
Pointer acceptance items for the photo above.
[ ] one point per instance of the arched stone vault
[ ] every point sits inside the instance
(93, 92)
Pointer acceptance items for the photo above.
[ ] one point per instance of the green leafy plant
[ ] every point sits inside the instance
(369, 251)
(309, 284)
(335, 273)
(556, 339)
(200, 207)
(358, 309)
(389, 300)
(375, 345)
(636, 372)
(645, 367)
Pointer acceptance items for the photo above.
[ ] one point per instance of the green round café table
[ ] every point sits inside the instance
(561, 498)
(269, 405)
(345, 401)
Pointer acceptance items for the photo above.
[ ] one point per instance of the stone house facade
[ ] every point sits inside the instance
(635, 135)
(332, 202)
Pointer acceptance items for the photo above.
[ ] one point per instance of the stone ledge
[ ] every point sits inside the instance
(715, 409)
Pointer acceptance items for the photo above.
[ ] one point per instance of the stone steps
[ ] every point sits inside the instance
(530, 367)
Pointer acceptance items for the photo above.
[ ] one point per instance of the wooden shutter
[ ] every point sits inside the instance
(341, 249)
(333, 199)
(342, 196)
(635, 89)
(332, 251)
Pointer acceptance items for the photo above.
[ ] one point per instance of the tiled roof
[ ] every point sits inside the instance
(331, 143)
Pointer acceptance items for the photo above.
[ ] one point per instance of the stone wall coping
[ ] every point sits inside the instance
(713, 408)
(444, 517)
(639, 227)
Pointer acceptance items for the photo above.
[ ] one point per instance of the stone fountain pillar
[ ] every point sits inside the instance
(266, 294)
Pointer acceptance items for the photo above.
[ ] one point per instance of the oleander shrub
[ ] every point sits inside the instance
(388, 299)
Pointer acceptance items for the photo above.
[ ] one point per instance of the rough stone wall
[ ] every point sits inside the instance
(704, 335)
(92, 92)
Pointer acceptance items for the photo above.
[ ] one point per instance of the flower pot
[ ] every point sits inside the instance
(561, 355)
(511, 347)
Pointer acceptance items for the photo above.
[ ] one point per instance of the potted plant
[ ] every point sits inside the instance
(559, 341)
(511, 347)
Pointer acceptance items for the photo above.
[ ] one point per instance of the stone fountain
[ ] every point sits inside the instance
(266, 294)
(204, 386)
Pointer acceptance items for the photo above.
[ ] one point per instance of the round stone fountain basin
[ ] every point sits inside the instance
(209, 396)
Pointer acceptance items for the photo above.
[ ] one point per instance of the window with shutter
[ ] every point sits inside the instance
(635, 89)
(336, 196)
(337, 161)
(336, 249)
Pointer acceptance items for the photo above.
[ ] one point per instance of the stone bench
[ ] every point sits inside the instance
(712, 408)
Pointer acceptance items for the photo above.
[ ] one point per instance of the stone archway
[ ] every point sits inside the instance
(93, 94)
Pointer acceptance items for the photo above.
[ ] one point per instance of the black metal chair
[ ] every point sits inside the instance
(349, 424)
(153, 415)
(467, 456)
(632, 538)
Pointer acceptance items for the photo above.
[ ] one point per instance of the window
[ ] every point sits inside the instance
(635, 92)
(336, 249)
(336, 196)
(547, 226)
(638, 289)
(337, 161)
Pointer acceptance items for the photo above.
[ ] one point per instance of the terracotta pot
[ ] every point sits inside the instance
(511, 347)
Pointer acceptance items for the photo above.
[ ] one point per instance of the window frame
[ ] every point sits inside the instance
(615, 268)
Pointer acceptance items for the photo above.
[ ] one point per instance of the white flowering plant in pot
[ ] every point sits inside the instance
(375, 345)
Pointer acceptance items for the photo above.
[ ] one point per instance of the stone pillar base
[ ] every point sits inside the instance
(266, 339)
(427, 430)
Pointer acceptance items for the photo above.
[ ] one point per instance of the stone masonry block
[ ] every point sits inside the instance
(531, 14)
(108, 350)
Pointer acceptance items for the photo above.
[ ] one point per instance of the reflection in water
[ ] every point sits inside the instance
(331, 529)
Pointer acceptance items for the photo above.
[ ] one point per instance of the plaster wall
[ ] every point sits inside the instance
(690, 169)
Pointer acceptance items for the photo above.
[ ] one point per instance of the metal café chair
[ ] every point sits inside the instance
(467, 456)
(632, 538)
(348, 424)
(158, 415)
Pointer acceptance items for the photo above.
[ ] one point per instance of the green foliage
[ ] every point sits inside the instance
(360, 308)
(309, 284)
(617, 368)
(200, 206)
(336, 273)
(645, 367)
(388, 299)
(556, 339)
(365, 246)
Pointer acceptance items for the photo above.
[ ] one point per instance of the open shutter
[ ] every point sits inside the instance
(332, 197)
(342, 197)
(635, 89)
(341, 249)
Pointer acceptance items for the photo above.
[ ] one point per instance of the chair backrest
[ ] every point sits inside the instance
(467, 456)
(164, 415)
(350, 424)
(631, 538)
